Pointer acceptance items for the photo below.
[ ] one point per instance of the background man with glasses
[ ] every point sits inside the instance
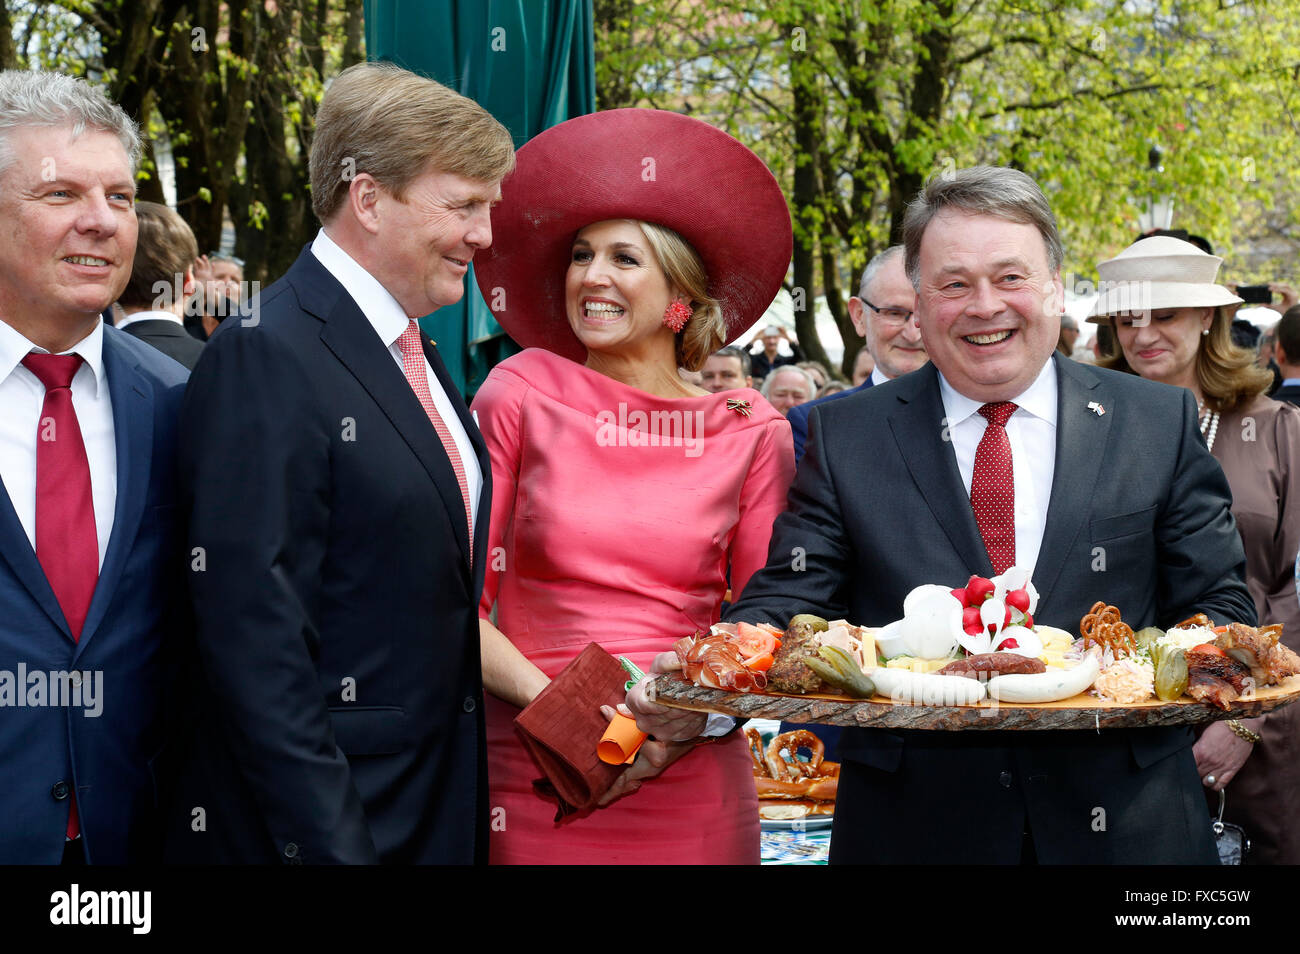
(882, 313)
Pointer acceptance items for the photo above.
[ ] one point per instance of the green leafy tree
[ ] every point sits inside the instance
(231, 87)
(854, 103)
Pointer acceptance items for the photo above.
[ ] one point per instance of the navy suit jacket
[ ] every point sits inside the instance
(798, 416)
(1138, 516)
(339, 714)
(125, 643)
(1288, 392)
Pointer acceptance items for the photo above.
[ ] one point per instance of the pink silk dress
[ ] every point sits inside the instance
(615, 515)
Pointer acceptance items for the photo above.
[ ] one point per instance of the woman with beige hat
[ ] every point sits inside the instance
(1167, 312)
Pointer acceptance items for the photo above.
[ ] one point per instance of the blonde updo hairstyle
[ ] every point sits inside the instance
(705, 333)
(1226, 372)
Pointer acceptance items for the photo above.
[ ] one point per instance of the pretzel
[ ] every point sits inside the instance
(1102, 625)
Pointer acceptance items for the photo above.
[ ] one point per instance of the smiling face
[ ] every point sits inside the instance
(988, 303)
(1165, 347)
(615, 292)
(425, 242)
(894, 341)
(788, 389)
(68, 238)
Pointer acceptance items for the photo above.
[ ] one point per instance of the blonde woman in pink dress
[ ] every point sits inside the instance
(629, 243)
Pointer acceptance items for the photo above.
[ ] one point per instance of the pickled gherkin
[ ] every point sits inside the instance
(817, 624)
(840, 670)
(1171, 672)
(1146, 638)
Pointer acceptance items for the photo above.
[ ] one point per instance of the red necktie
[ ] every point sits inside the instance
(993, 489)
(413, 367)
(67, 544)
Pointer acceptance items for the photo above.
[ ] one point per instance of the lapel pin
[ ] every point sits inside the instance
(1096, 408)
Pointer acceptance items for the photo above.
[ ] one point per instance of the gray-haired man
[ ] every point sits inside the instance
(90, 565)
(998, 453)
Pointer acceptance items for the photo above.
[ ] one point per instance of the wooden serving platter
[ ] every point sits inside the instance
(878, 712)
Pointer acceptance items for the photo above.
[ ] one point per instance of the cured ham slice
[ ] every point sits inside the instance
(715, 662)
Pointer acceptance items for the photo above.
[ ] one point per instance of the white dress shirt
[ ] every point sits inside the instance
(389, 321)
(21, 398)
(148, 316)
(1031, 431)
(878, 376)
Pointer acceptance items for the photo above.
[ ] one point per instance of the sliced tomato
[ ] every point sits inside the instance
(752, 641)
(1209, 648)
(760, 663)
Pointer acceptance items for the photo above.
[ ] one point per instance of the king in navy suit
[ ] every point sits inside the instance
(338, 499)
(90, 566)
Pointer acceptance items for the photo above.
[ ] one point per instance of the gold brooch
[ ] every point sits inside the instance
(739, 406)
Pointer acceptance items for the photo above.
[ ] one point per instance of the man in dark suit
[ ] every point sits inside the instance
(1097, 482)
(883, 313)
(90, 563)
(162, 282)
(340, 493)
(1286, 351)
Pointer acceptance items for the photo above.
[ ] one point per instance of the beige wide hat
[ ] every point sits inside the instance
(1158, 272)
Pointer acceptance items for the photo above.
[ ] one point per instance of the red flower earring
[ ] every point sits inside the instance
(677, 314)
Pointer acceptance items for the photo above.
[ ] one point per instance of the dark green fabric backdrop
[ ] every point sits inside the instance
(532, 64)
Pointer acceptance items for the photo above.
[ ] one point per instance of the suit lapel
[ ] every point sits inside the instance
(352, 339)
(133, 416)
(482, 512)
(1081, 436)
(920, 431)
(16, 550)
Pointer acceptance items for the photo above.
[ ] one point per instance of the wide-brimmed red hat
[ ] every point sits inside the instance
(645, 164)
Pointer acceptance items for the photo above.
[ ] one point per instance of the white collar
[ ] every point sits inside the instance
(878, 376)
(14, 347)
(149, 316)
(1039, 399)
(376, 303)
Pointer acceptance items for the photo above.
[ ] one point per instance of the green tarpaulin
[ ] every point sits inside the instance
(532, 64)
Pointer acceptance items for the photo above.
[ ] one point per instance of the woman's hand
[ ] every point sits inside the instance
(1220, 753)
(651, 759)
(661, 721)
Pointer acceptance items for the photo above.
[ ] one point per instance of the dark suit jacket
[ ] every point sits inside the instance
(337, 614)
(1138, 516)
(1287, 392)
(798, 416)
(108, 756)
(169, 337)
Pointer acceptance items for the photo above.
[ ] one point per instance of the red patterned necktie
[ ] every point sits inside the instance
(67, 544)
(413, 366)
(993, 489)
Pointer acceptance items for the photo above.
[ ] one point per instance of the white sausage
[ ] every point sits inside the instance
(926, 688)
(1045, 686)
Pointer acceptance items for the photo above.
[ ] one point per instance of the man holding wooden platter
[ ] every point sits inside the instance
(997, 454)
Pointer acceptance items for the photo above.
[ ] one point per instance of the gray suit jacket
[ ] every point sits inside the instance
(1138, 516)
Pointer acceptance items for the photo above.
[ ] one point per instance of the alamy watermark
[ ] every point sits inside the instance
(638, 428)
(40, 688)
